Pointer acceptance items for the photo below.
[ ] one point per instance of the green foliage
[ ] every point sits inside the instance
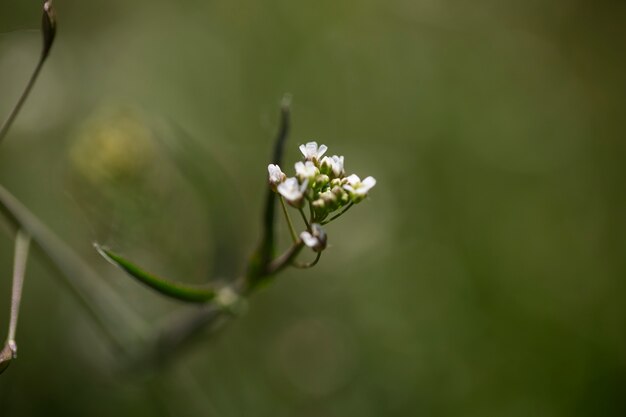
(194, 294)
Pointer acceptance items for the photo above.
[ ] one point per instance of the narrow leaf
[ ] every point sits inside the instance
(179, 291)
(261, 258)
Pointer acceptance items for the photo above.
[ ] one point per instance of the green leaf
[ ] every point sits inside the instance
(179, 291)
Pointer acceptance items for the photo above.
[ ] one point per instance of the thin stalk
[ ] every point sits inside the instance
(311, 212)
(308, 226)
(336, 216)
(285, 259)
(48, 29)
(18, 106)
(22, 245)
(309, 264)
(294, 236)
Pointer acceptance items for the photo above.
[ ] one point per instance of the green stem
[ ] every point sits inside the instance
(311, 212)
(308, 226)
(309, 264)
(336, 216)
(294, 236)
(285, 259)
(48, 29)
(22, 245)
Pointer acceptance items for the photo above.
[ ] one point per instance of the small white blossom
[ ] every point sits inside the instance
(292, 190)
(276, 175)
(358, 189)
(316, 239)
(333, 164)
(312, 152)
(306, 170)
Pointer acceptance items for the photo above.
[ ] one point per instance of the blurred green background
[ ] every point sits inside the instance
(484, 276)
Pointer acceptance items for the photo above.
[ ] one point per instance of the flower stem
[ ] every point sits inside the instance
(309, 264)
(48, 30)
(308, 226)
(294, 236)
(285, 259)
(336, 216)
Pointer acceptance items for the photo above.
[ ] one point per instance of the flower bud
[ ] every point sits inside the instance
(321, 181)
(316, 239)
(276, 175)
(326, 165)
(335, 182)
(329, 198)
(319, 205)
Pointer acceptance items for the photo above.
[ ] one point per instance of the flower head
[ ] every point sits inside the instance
(306, 170)
(312, 152)
(292, 191)
(316, 239)
(276, 175)
(358, 189)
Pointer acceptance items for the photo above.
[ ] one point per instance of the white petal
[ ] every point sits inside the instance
(349, 188)
(311, 149)
(309, 240)
(337, 165)
(321, 151)
(353, 179)
(275, 173)
(303, 150)
(290, 189)
(368, 183)
(304, 186)
(300, 168)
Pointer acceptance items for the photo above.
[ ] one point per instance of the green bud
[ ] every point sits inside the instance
(321, 181)
(329, 199)
(319, 205)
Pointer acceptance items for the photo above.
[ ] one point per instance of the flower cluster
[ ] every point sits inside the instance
(321, 182)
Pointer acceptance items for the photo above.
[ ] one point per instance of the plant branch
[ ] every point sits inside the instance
(22, 243)
(48, 29)
(309, 264)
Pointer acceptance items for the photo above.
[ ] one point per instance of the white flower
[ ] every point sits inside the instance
(306, 170)
(334, 164)
(315, 240)
(276, 175)
(292, 190)
(311, 152)
(358, 189)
